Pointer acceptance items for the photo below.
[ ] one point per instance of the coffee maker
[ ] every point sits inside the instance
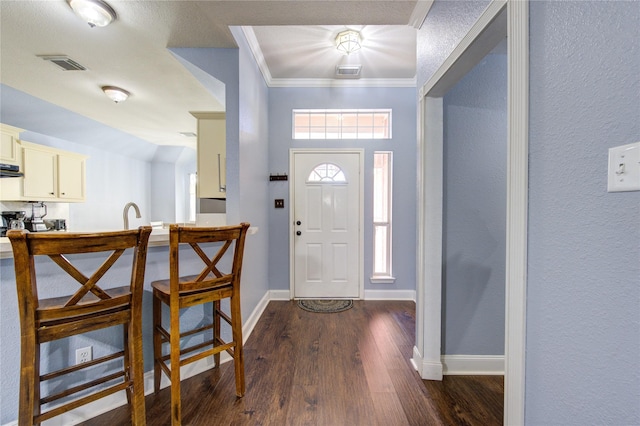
(35, 223)
(12, 220)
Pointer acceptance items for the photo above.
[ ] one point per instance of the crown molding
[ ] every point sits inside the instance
(420, 12)
(330, 82)
(252, 41)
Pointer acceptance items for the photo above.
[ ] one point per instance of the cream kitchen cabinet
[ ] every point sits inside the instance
(71, 177)
(51, 174)
(212, 148)
(9, 150)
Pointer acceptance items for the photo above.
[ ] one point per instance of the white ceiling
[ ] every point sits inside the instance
(292, 40)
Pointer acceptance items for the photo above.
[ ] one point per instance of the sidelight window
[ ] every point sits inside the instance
(382, 202)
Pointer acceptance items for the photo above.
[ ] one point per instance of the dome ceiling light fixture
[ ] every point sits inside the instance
(116, 94)
(96, 13)
(348, 41)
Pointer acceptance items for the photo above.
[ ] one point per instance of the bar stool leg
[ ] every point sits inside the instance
(157, 343)
(176, 411)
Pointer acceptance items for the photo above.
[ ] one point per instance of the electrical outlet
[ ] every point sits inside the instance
(84, 355)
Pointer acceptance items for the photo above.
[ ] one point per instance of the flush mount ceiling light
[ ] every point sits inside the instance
(348, 41)
(116, 94)
(96, 13)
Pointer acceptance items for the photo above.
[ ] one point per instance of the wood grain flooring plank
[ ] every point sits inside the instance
(351, 368)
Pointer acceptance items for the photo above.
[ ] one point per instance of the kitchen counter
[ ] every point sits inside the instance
(159, 237)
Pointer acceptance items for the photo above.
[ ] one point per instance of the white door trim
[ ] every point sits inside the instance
(501, 18)
(360, 152)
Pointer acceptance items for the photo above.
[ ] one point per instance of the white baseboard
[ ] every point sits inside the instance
(416, 360)
(390, 295)
(279, 295)
(431, 370)
(96, 408)
(473, 365)
(368, 295)
(103, 405)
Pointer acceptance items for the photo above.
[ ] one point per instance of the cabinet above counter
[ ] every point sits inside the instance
(212, 157)
(50, 175)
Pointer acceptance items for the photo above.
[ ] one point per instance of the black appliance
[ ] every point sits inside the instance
(10, 170)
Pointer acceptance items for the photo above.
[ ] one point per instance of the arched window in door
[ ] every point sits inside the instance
(327, 172)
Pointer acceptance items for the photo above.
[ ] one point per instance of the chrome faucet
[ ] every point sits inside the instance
(125, 213)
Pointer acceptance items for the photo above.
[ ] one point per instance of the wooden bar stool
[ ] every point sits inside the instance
(90, 308)
(208, 285)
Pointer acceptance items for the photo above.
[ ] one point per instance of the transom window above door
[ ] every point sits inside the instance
(342, 124)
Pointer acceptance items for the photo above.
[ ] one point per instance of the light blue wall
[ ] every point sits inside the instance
(114, 179)
(583, 291)
(403, 145)
(474, 234)
(223, 64)
(253, 174)
(120, 168)
(247, 154)
(60, 353)
(446, 24)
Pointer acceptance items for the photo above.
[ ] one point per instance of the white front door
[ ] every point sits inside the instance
(327, 208)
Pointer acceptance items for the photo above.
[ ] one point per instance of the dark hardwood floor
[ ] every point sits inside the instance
(348, 368)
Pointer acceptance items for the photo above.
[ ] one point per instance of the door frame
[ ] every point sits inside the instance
(360, 153)
(501, 18)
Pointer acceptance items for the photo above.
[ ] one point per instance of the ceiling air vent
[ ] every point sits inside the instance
(64, 62)
(348, 71)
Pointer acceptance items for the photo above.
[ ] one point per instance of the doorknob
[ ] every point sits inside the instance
(298, 223)
(298, 233)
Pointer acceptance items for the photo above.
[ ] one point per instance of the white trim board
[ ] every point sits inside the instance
(270, 81)
(101, 406)
(390, 295)
(420, 12)
(279, 295)
(473, 365)
(501, 18)
(113, 401)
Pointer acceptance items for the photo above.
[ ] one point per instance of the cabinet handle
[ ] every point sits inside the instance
(63, 193)
(51, 193)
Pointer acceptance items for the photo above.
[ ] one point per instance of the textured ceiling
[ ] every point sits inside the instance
(388, 52)
(132, 53)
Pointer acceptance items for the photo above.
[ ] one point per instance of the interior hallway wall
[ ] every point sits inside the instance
(583, 291)
(253, 174)
(403, 102)
(474, 234)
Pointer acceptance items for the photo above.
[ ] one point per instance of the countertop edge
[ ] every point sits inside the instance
(155, 240)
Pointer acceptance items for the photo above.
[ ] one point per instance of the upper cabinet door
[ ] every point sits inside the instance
(40, 167)
(9, 150)
(212, 154)
(71, 177)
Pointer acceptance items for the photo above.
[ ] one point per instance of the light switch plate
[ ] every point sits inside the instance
(624, 168)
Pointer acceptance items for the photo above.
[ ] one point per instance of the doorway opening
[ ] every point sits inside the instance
(500, 19)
